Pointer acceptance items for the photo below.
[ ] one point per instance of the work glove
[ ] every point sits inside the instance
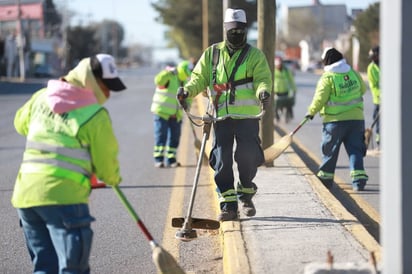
(309, 116)
(181, 97)
(264, 98)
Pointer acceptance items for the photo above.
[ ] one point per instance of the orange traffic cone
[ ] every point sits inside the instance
(96, 183)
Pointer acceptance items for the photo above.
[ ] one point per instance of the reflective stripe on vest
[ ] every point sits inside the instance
(349, 103)
(78, 153)
(245, 101)
(52, 146)
(59, 163)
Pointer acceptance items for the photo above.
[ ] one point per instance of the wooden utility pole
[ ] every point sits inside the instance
(21, 43)
(225, 5)
(205, 24)
(266, 10)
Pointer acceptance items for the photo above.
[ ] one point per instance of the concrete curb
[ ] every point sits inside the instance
(235, 258)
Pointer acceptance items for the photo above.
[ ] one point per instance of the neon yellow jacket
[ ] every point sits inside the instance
(254, 66)
(164, 103)
(339, 94)
(284, 82)
(373, 78)
(66, 130)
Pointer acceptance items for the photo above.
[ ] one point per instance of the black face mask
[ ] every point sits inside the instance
(236, 38)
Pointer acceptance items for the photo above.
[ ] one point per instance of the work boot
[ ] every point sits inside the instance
(248, 208)
(359, 185)
(228, 212)
(328, 183)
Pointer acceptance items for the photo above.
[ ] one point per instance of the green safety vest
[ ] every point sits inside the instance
(283, 81)
(346, 93)
(164, 101)
(245, 101)
(52, 147)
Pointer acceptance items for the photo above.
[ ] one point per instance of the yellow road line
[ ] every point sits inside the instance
(175, 210)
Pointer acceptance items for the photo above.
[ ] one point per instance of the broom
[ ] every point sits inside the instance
(368, 131)
(164, 261)
(274, 151)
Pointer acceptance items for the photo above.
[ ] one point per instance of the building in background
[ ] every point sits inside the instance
(311, 28)
(40, 40)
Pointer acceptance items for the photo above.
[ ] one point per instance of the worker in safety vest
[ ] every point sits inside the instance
(233, 93)
(285, 90)
(373, 72)
(69, 138)
(339, 99)
(168, 113)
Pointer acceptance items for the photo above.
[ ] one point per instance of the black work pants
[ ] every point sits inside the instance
(248, 152)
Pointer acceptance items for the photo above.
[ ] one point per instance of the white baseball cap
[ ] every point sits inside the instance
(235, 18)
(104, 68)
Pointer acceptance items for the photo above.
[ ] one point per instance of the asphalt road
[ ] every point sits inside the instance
(156, 194)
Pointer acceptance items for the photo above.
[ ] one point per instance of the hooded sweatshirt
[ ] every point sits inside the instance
(78, 89)
(325, 87)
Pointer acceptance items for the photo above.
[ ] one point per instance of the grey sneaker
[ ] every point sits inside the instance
(359, 186)
(248, 207)
(175, 164)
(227, 215)
(159, 164)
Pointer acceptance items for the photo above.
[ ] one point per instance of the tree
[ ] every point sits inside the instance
(109, 35)
(81, 43)
(367, 31)
(52, 19)
(106, 36)
(185, 22)
(304, 26)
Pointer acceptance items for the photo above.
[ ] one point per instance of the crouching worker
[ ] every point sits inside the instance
(69, 137)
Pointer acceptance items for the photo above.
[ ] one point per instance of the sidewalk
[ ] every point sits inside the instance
(298, 222)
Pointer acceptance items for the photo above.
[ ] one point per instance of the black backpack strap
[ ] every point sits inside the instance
(239, 61)
(215, 61)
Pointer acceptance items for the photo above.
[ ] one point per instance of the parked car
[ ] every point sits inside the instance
(291, 64)
(43, 71)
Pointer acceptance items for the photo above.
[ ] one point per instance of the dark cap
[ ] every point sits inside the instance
(330, 56)
(104, 68)
(374, 52)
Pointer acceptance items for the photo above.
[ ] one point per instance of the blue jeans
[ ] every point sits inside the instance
(351, 134)
(377, 125)
(167, 137)
(59, 238)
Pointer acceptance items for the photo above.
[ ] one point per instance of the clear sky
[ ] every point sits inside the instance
(138, 17)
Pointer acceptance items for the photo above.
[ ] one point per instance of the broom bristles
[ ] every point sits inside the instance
(274, 151)
(165, 262)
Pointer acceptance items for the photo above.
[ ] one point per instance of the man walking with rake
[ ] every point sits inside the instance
(237, 77)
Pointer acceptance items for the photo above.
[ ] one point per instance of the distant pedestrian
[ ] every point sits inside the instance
(339, 99)
(374, 85)
(168, 113)
(69, 138)
(233, 92)
(285, 90)
(11, 55)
